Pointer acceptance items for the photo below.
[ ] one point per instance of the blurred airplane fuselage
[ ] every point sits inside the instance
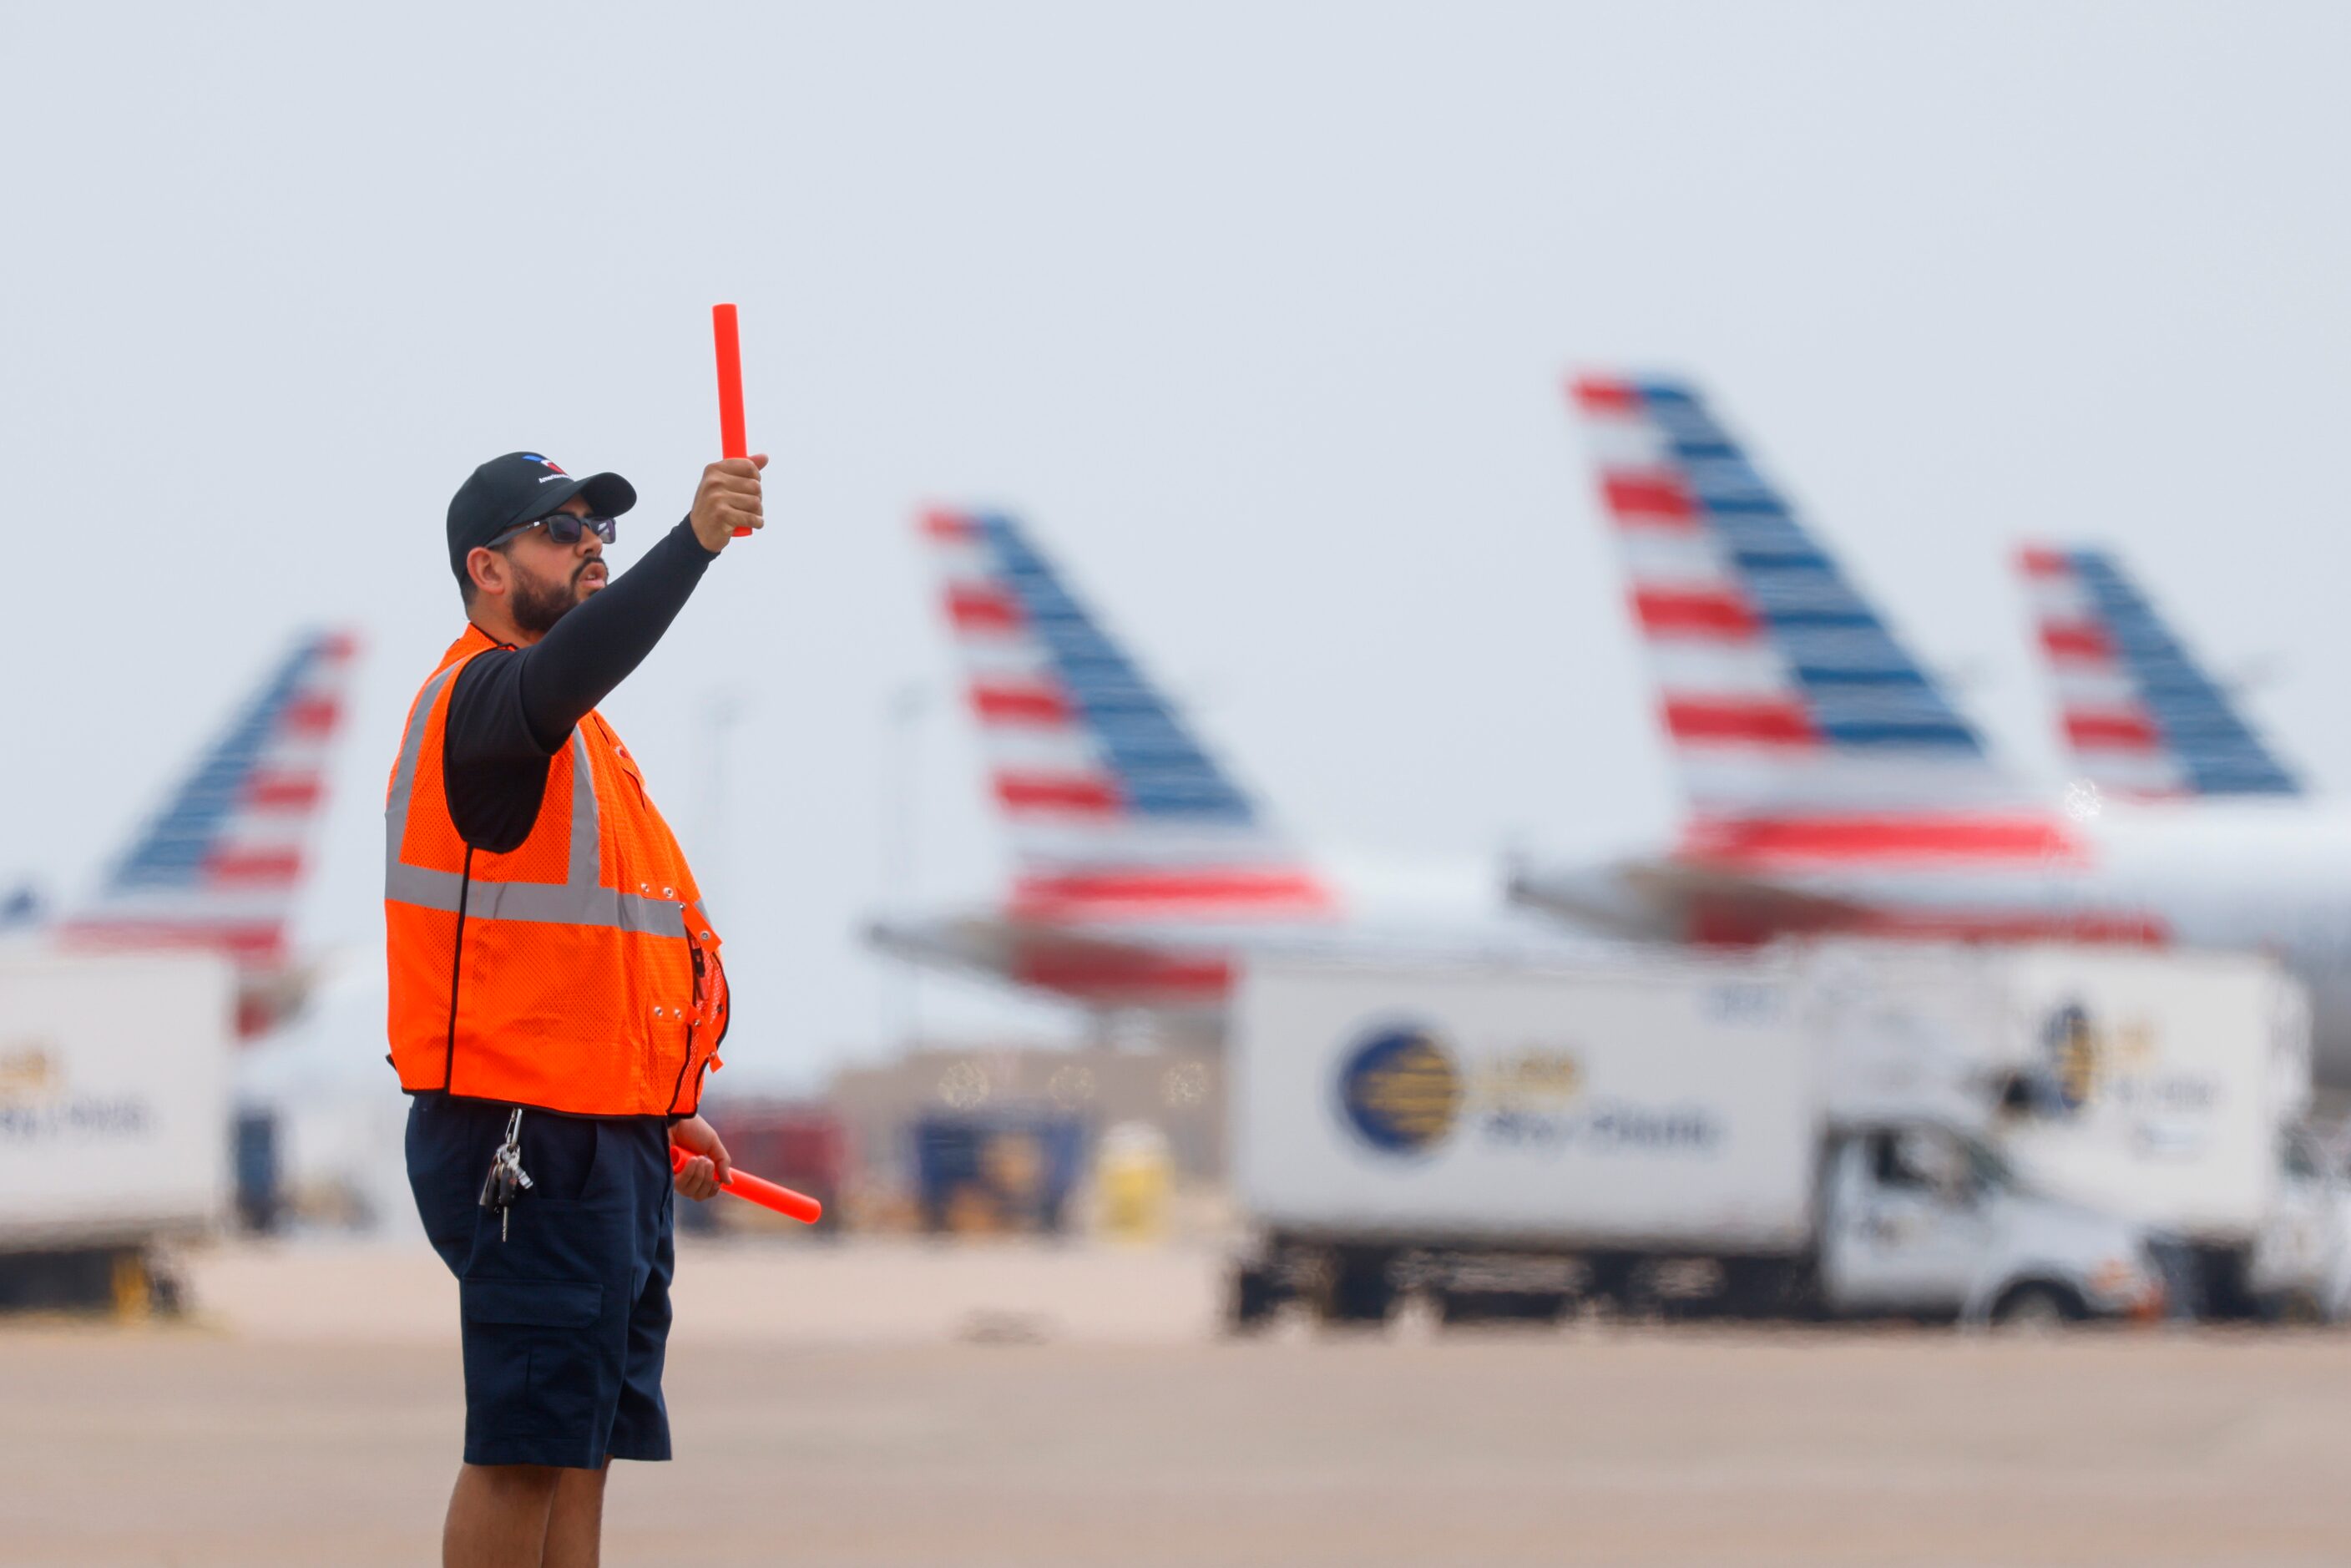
(1184, 967)
(2271, 876)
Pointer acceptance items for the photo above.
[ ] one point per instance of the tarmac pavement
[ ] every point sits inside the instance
(1001, 1404)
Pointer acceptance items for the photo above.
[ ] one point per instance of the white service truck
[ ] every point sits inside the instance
(2164, 1088)
(1657, 1133)
(114, 1120)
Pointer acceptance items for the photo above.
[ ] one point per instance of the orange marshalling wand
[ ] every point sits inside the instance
(728, 341)
(793, 1205)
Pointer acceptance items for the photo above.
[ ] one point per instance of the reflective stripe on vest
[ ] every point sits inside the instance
(582, 900)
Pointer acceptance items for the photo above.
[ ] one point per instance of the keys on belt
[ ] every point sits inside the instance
(508, 1181)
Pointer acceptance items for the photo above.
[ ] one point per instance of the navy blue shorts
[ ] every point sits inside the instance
(567, 1317)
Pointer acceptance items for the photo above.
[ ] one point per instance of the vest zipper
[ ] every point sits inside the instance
(457, 971)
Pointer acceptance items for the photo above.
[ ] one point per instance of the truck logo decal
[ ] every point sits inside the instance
(1404, 1089)
(28, 1070)
(38, 1105)
(1400, 1090)
(2070, 1055)
(2084, 1059)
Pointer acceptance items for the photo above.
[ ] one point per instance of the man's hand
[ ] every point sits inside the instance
(728, 499)
(701, 1177)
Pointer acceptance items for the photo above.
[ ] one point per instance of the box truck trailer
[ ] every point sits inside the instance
(1657, 1134)
(115, 1121)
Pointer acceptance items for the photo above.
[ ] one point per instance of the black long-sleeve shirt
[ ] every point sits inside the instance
(514, 708)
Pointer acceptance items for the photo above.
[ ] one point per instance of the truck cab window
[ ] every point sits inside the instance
(1889, 1165)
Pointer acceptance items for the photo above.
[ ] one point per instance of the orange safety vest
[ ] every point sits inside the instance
(577, 972)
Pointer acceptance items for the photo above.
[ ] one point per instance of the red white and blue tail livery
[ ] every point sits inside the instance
(1804, 731)
(2140, 718)
(1832, 783)
(1143, 873)
(218, 866)
(1117, 813)
(1782, 690)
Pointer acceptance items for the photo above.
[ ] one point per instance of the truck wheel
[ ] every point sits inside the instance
(1254, 1297)
(1611, 1283)
(1459, 1307)
(1760, 1288)
(2035, 1308)
(1359, 1291)
(1652, 1297)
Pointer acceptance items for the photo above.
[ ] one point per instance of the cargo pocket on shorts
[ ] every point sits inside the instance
(531, 1361)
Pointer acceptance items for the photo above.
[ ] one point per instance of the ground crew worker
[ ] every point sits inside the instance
(557, 994)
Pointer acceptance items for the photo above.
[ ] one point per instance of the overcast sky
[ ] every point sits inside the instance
(1256, 313)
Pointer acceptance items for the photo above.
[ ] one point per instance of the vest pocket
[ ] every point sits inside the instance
(673, 1037)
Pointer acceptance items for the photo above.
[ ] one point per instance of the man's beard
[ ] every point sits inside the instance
(538, 604)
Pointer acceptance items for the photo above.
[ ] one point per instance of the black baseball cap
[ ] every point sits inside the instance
(522, 487)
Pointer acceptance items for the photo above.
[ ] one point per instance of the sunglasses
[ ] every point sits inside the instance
(564, 528)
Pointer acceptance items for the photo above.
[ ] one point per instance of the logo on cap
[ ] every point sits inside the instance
(549, 462)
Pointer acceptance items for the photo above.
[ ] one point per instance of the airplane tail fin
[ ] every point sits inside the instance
(1117, 811)
(2140, 718)
(1794, 714)
(218, 866)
